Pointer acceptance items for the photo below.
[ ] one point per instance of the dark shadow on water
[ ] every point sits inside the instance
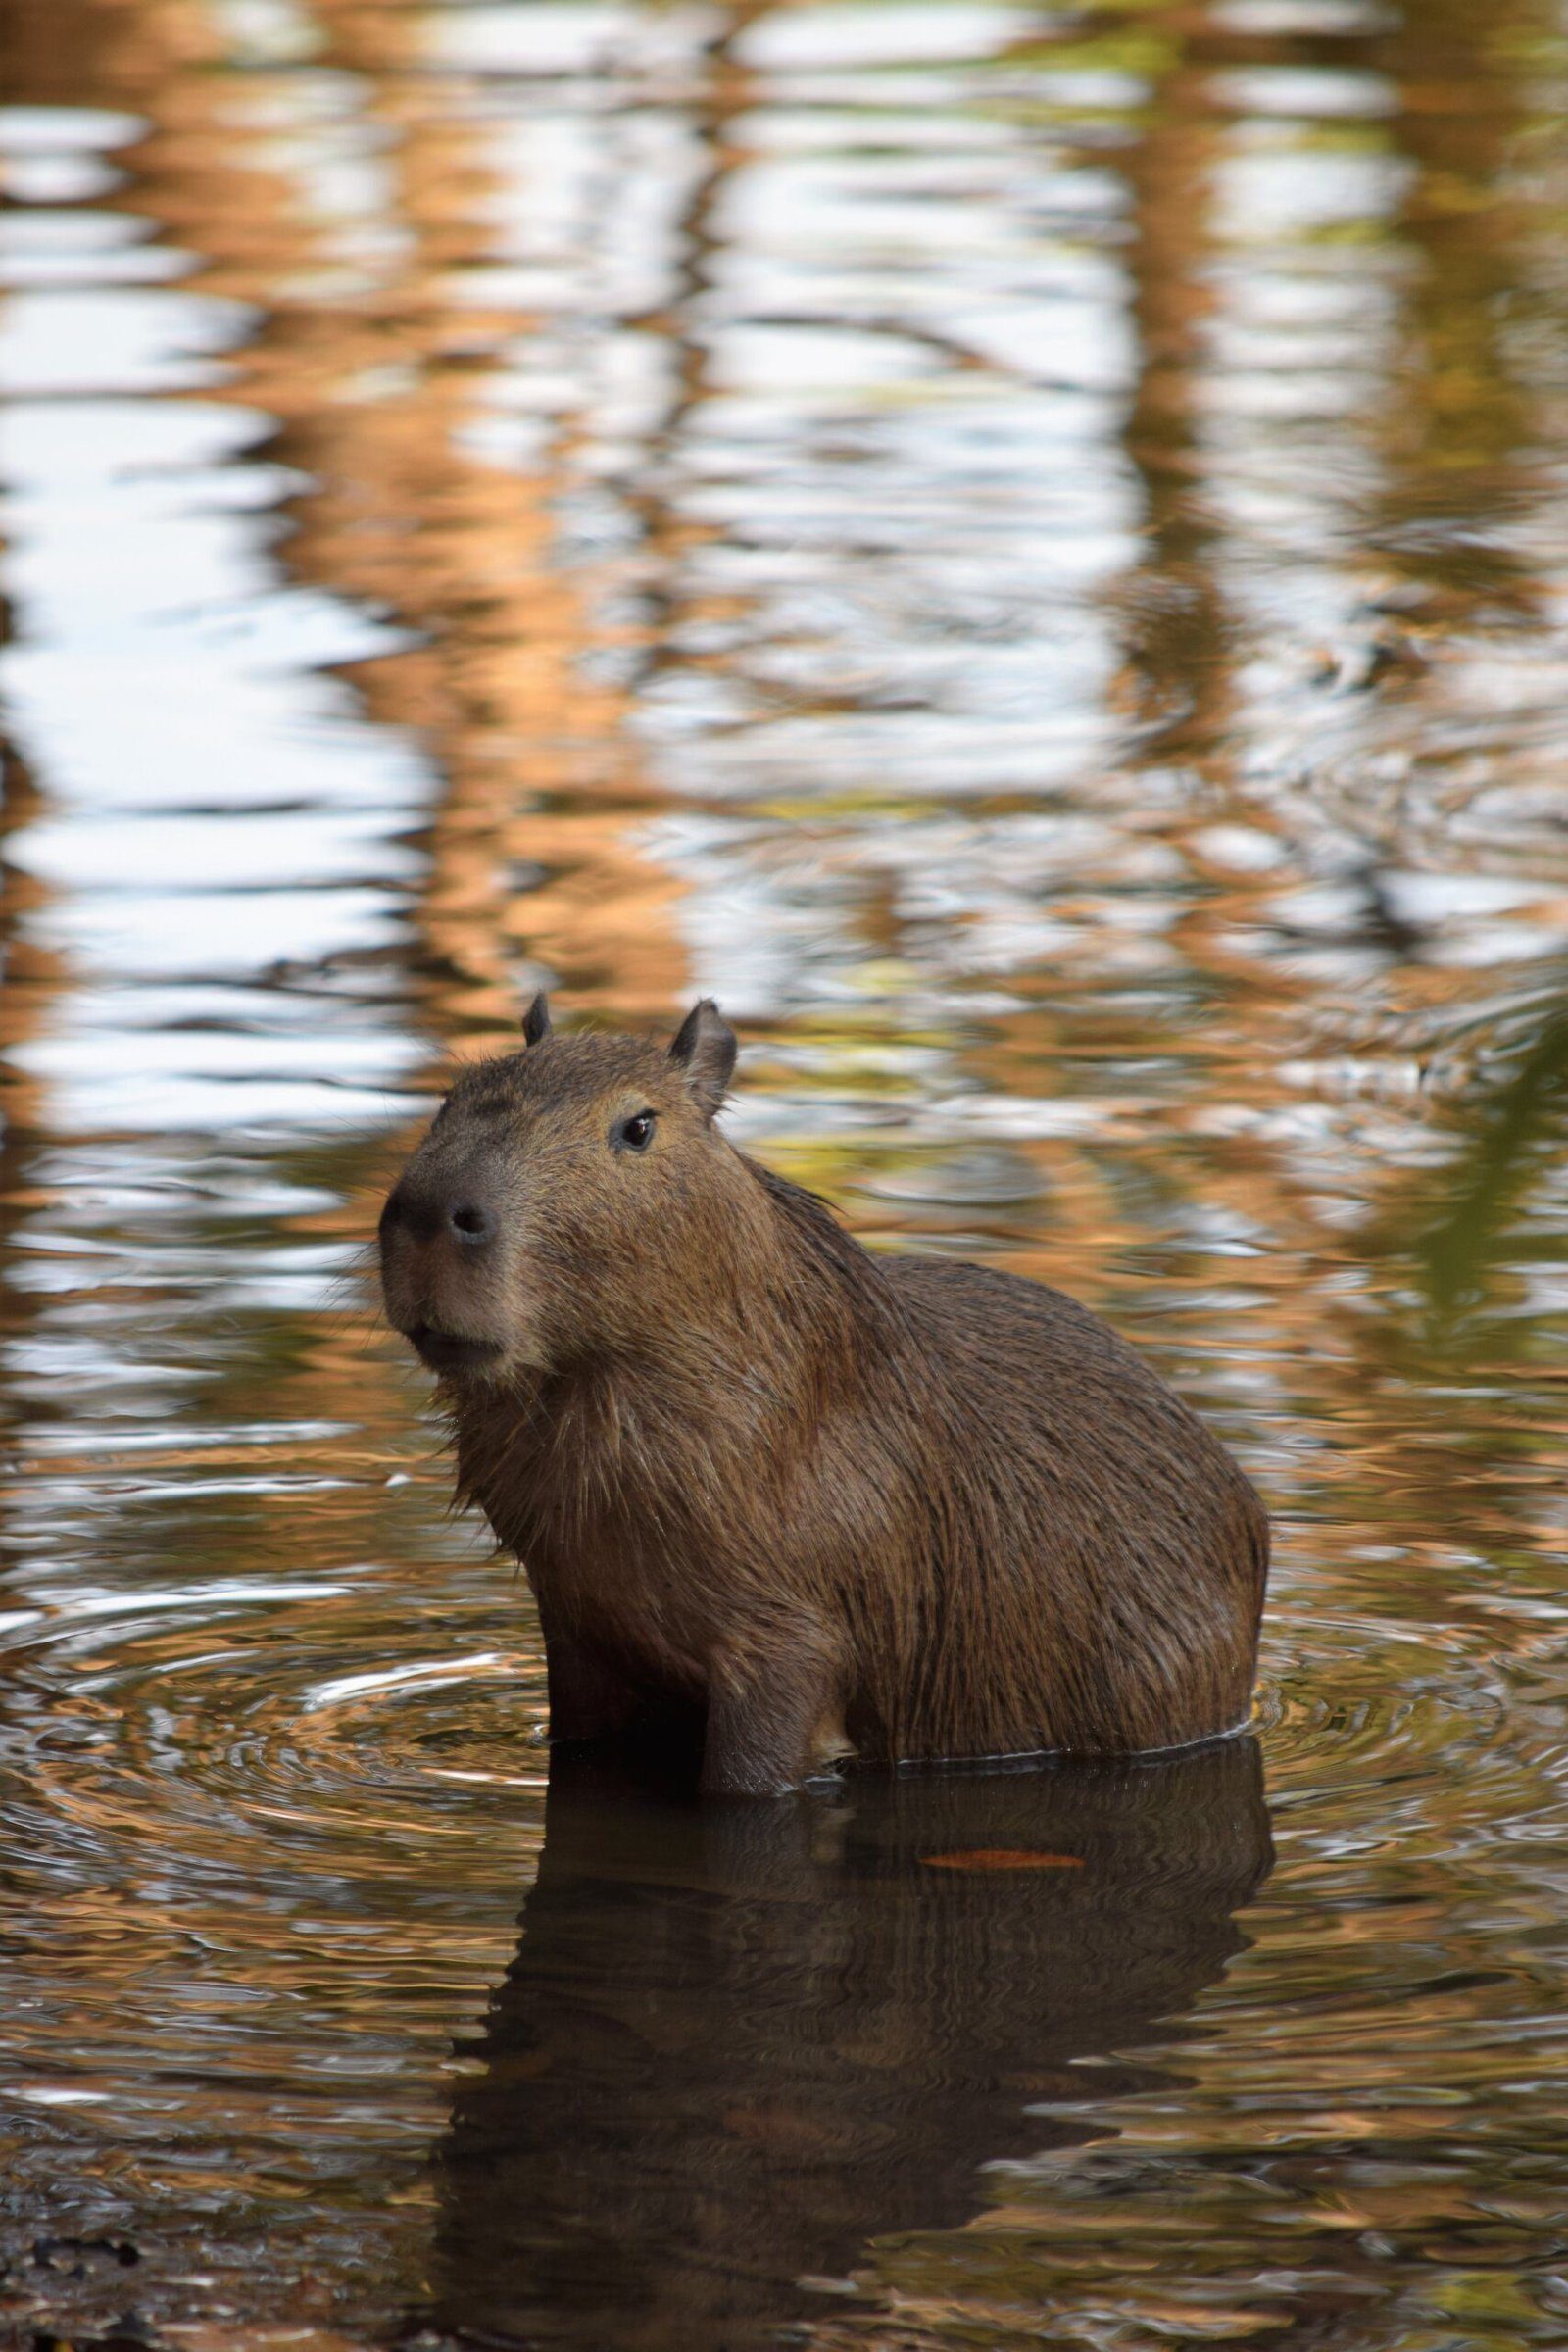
(737, 2042)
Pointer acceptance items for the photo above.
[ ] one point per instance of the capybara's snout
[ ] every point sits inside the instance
(453, 1212)
(440, 1235)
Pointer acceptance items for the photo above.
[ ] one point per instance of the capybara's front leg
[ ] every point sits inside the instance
(588, 1698)
(772, 1720)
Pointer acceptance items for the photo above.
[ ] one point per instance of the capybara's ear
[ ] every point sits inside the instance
(536, 1020)
(705, 1048)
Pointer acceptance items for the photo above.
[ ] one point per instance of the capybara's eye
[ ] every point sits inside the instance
(634, 1134)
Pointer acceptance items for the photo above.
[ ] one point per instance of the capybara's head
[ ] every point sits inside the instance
(564, 1201)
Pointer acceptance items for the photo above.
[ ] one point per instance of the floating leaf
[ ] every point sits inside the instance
(1003, 1857)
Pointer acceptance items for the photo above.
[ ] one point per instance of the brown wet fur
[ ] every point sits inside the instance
(780, 1494)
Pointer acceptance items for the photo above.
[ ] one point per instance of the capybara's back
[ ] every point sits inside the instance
(774, 1493)
(1102, 1546)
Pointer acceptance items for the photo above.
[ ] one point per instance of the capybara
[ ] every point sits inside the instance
(803, 1501)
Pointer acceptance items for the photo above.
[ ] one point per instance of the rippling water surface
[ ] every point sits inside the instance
(1021, 547)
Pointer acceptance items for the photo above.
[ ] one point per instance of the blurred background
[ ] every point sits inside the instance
(1021, 547)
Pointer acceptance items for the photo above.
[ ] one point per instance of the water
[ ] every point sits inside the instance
(1024, 551)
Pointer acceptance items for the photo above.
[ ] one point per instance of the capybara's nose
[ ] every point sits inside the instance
(426, 1214)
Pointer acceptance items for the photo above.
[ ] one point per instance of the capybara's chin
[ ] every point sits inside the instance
(455, 1356)
(817, 1501)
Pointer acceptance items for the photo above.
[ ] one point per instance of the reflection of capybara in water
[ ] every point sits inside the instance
(812, 1500)
(737, 2043)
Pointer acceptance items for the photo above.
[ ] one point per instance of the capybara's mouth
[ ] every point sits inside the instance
(444, 1351)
